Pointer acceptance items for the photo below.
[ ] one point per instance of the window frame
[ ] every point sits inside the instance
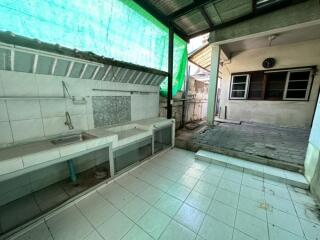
(312, 70)
(308, 89)
(246, 86)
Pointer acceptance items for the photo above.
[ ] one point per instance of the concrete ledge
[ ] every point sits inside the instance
(268, 172)
(250, 157)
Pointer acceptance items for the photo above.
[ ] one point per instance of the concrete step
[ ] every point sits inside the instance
(251, 157)
(276, 174)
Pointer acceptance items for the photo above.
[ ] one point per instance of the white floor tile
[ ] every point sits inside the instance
(69, 224)
(151, 194)
(38, 232)
(254, 208)
(93, 236)
(154, 222)
(205, 188)
(176, 231)
(284, 220)
(199, 201)
(190, 217)
(179, 191)
(96, 209)
(222, 212)
(229, 186)
(226, 197)
(169, 205)
(116, 227)
(116, 194)
(136, 233)
(213, 229)
(135, 209)
(311, 230)
(280, 204)
(188, 181)
(237, 235)
(251, 226)
(277, 233)
(252, 193)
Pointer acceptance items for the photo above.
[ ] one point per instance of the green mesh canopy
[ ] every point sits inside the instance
(118, 29)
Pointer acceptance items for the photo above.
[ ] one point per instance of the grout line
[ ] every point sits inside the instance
(234, 222)
(47, 225)
(9, 120)
(89, 222)
(294, 206)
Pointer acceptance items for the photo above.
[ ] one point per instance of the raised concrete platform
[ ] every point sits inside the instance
(272, 173)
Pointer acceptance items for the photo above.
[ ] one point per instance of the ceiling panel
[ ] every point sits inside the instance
(192, 22)
(169, 6)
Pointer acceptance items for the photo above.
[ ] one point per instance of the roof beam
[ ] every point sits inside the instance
(189, 8)
(206, 17)
(162, 18)
(255, 13)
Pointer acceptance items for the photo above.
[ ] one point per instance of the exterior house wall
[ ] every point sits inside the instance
(280, 113)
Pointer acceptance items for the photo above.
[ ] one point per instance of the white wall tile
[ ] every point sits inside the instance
(54, 125)
(49, 85)
(144, 106)
(11, 165)
(53, 107)
(23, 109)
(80, 122)
(19, 84)
(3, 111)
(75, 108)
(90, 121)
(5, 133)
(26, 129)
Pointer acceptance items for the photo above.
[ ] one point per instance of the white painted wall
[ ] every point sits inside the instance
(22, 120)
(281, 113)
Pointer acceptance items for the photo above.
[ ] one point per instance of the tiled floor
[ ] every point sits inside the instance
(261, 140)
(175, 197)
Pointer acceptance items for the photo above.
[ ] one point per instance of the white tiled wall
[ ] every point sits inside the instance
(22, 119)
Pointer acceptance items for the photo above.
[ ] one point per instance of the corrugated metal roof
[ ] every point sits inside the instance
(168, 7)
(201, 57)
(22, 59)
(193, 18)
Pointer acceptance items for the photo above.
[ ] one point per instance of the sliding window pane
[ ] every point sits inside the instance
(296, 94)
(304, 75)
(238, 94)
(275, 85)
(256, 88)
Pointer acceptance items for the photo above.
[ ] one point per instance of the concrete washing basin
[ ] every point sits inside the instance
(72, 138)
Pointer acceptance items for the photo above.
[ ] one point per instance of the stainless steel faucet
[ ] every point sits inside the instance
(68, 121)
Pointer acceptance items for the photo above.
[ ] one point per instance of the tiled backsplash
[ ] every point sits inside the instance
(26, 113)
(25, 119)
(109, 110)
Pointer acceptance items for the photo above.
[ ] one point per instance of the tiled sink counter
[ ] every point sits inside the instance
(23, 158)
(20, 159)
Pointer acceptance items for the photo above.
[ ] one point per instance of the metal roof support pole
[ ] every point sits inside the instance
(213, 84)
(170, 73)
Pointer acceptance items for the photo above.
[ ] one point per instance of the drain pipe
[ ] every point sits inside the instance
(72, 171)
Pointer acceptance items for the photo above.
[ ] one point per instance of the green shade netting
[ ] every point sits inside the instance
(118, 29)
